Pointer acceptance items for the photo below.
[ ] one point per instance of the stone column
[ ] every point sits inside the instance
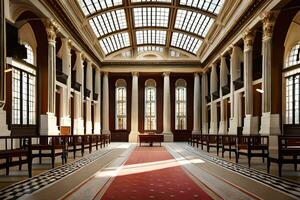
(235, 101)
(204, 92)
(270, 123)
(78, 96)
(213, 105)
(223, 82)
(168, 135)
(250, 122)
(197, 111)
(97, 104)
(89, 85)
(65, 54)
(105, 105)
(134, 108)
(48, 121)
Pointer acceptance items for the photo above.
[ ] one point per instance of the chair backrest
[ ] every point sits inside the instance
(291, 129)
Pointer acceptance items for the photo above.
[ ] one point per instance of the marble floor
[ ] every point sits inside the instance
(94, 172)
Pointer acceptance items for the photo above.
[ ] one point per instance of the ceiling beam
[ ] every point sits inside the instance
(172, 19)
(129, 20)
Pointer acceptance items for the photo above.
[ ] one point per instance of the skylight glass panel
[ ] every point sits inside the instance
(108, 22)
(151, 16)
(114, 42)
(193, 22)
(136, 1)
(142, 49)
(185, 42)
(151, 37)
(91, 6)
(213, 6)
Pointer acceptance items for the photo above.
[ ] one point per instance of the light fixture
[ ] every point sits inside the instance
(260, 91)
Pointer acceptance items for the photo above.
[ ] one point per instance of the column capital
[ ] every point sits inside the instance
(51, 29)
(268, 20)
(105, 73)
(196, 74)
(166, 74)
(248, 38)
(135, 74)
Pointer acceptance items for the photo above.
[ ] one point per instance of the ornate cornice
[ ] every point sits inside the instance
(147, 62)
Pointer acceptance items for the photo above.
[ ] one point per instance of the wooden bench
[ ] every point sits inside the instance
(252, 146)
(15, 148)
(228, 143)
(211, 140)
(151, 138)
(288, 152)
(50, 146)
(194, 139)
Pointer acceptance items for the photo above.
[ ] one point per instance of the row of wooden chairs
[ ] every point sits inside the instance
(242, 145)
(253, 146)
(19, 150)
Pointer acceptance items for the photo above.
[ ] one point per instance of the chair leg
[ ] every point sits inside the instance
(7, 166)
(236, 157)
(40, 156)
(249, 161)
(30, 167)
(295, 163)
(52, 157)
(279, 168)
(263, 156)
(20, 163)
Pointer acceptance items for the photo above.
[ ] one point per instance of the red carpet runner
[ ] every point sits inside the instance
(152, 173)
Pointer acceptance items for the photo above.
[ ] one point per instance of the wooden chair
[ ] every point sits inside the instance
(228, 143)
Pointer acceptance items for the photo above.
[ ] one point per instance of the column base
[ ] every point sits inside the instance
(205, 129)
(168, 136)
(65, 121)
(233, 127)
(48, 124)
(194, 132)
(89, 127)
(270, 124)
(97, 128)
(213, 129)
(250, 125)
(223, 128)
(78, 127)
(105, 131)
(3, 125)
(133, 136)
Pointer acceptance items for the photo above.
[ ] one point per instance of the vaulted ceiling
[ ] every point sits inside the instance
(170, 27)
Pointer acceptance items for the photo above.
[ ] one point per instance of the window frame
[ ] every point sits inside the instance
(121, 84)
(179, 103)
(150, 102)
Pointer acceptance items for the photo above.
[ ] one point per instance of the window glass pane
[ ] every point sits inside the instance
(135, 1)
(114, 42)
(121, 108)
(213, 6)
(185, 42)
(16, 97)
(151, 16)
(151, 37)
(89, 7)
(29, 51)
(147, 48)
(180, 109)
(150, 108)
(294, 56)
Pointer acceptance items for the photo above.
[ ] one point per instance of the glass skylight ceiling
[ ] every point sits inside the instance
(185, 42)
(193, 22)
(114, 42)
(108, 22)
(151, 16)
(91, 6)
(148, 25)
(151, 37)
(213, 6)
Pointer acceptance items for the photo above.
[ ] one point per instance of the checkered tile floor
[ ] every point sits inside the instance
(289, 187)
(35, 183)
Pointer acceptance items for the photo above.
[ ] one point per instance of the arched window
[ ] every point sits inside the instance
(30, 57)
(121, 105)
(150, 104)
(292, 76)
(180, 104)
(294, 56)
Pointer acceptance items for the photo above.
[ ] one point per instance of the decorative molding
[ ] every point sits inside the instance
(150, 62)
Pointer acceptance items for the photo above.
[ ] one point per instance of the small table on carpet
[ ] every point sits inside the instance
(151, 138)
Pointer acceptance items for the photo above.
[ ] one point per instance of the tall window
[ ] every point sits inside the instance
(180, 104)
(23, 95)
(150, 105)
(292, 86)
(121, 105)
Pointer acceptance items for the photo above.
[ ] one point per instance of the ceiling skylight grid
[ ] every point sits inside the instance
(108, 22)
(193, 22)
(151, 16)
(151, 37)
(185, 42)
(138, 1)
(91, 6)
(213, 6)
(114, 42)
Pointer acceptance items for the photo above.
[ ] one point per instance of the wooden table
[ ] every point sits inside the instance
(151, 138)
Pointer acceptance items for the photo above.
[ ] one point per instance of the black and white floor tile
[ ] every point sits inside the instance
(35, 183)
(288, 187)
